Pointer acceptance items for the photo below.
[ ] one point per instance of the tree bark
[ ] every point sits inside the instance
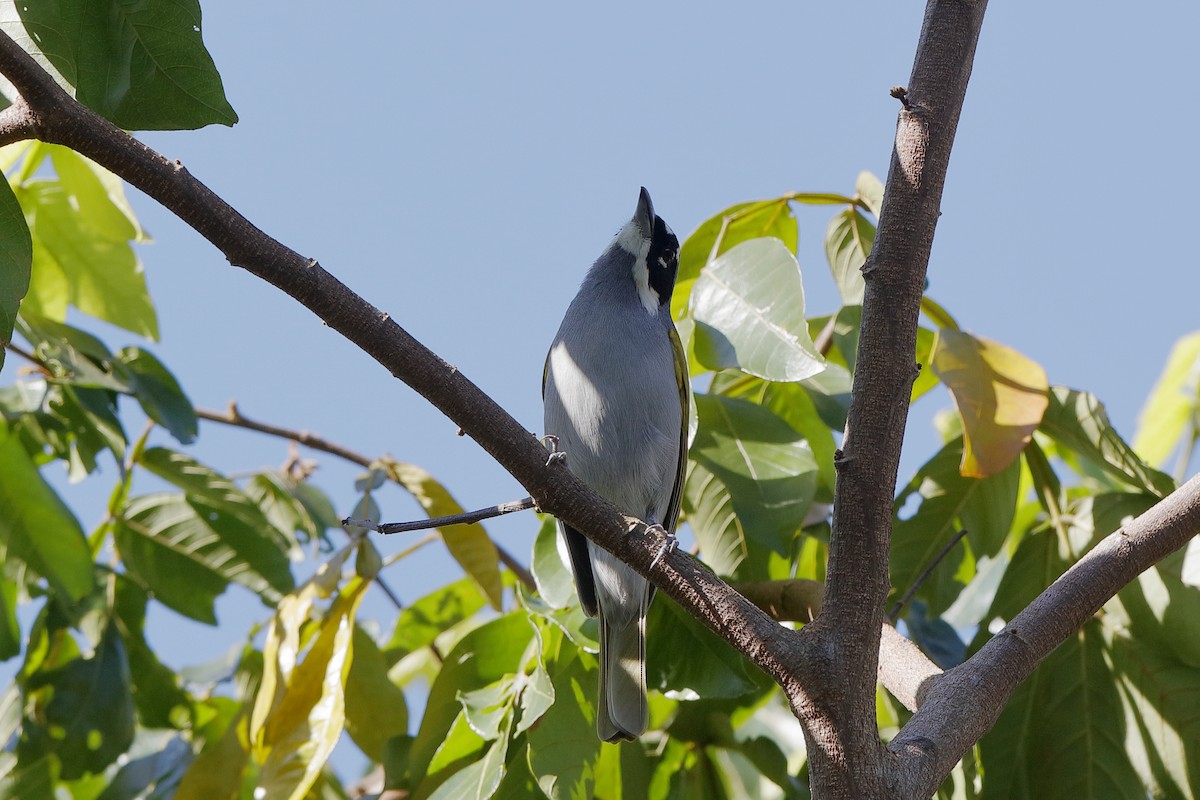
(846, 757)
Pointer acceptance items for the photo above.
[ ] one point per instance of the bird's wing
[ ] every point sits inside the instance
(685, 389)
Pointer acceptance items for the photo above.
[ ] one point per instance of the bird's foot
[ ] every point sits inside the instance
(669, 542)
(550, 441)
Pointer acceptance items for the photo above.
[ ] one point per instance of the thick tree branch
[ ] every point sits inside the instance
(46, 112)
(965, 701)
(846, 756)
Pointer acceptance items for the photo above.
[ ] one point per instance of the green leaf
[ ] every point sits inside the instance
(16, 260)
(486, 709)
(275, 495)
(77, 260)
(375, 707)
(159, 393)
(768, 468)
(723, 231)
(712, 669)
(552, 576)
(1000, 395)
(10, 629)
(481, 779)
(160, 700)
(1173, 403)
(210, 491)
(1068, 712)
(481, 657)
(37, 528)
(748, 306)
(1078, 421)
(468, 544)
(848, 241)
(1162, 730)
(423, 621)
(187, 549)
(307, 710)
(87, 718)
(537, 697)
(34, 781)
(869, 189)
(724, 545)
(563, 748)
(917, 536)
(141, 66)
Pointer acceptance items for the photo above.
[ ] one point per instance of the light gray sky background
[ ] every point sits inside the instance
(460, 165)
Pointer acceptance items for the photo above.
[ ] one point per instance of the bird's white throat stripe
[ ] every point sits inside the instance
(646, 293)
(633, 241)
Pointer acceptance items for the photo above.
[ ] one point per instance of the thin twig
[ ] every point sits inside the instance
(233, 416)
(925, 573)
(465, 518)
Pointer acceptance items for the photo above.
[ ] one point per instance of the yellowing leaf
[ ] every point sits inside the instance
(1001, 396)
(468, 544)
(1172, 403)
(300, 711)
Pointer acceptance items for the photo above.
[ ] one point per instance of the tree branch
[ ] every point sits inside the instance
(965, 701)
(57, 118)
(846, 758)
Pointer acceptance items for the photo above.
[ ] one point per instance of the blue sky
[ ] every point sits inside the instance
(460, 165)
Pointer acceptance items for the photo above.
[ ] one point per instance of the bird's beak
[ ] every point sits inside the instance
(644, 216)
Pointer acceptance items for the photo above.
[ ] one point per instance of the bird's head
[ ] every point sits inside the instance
(655, 252)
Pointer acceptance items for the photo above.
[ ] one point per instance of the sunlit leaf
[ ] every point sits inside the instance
(552, 575)
(1001, 396)
(708, 510)
(81, 247)
(421, 622)
(1173, 403)
(945, 498)
(563, 748)
(724, 231)
(37, 528)
(1078, 421)
(1162, 728)
(479, 780)
(141, 66)
(848, 241)
(748, 306)
(216, 774)
(869, 189)
(482, 657)
(375, 707)
(1068, 712)
(468, 544)
(306, 718)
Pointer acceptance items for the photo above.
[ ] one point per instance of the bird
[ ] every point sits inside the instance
(615, 391)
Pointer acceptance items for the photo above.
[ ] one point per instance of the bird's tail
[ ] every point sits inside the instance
(621, 710)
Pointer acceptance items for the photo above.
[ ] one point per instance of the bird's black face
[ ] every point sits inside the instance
(663, 260)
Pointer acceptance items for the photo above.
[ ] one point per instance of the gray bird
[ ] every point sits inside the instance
(616, 397)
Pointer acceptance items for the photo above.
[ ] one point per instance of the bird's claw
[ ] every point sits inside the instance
(550, 441)
(668, 546)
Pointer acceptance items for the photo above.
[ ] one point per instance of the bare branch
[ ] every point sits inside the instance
(465, 518)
